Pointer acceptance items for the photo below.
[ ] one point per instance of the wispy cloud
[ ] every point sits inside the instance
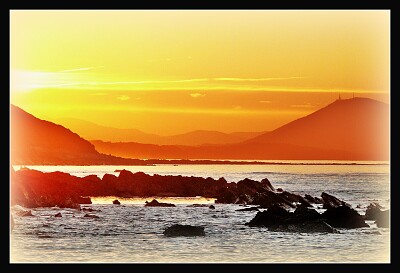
(79, 69)
(256, 79)
(123, 97)
(306, 105)
(197, 95)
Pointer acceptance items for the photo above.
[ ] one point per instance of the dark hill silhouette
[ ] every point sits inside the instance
(352, 129)
(358, 125)
(35, 141)
(93, 131)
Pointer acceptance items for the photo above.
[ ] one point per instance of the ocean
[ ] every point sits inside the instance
(132, 233)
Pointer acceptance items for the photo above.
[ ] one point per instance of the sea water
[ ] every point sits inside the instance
(132, 233)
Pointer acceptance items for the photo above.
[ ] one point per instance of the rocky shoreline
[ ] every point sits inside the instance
(278, 210)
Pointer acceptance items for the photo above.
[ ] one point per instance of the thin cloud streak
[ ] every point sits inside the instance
(257, 79)
(79, 69)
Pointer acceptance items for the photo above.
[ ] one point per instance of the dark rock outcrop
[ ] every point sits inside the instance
(211, 207)
(344, 217)
(330, 201)
(155, 203)
(184, 230)
(373, 211)
(116, 202)
(304, 219)
(58, 215)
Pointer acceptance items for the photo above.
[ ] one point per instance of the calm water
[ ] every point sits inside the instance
(132, 233)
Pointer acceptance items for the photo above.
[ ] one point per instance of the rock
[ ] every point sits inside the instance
(344, 217)
(373, 211)
(279, 190)
(91, 216)
(382, 220)
(89, 209)
(314, 200)
(270, 217)
(295, 198)
(83, 200)
(116, 202)
(155, 203)
(211, 207)
(303, 220)
(58, 215)
(184, 230)
(267, 184)
(24, 213)
(197, 206)
(249, 209)
(268, 198)
(331, 201)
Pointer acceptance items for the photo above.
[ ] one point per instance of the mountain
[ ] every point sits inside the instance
(39, 142)
(93, 131)
(352, 129)
(359, 126)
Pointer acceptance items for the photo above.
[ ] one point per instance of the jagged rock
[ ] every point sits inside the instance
(184, 230)
(344, 217)
(268, 198)
(155, 203)
(373, 211)
(315, 200)
(331, 201)
(116, 202)
(267, 184)
(58, 215)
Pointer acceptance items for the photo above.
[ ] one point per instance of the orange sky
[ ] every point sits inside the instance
(169, 72)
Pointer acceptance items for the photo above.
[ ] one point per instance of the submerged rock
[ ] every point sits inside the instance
(249, 209)
(197, 206)
(211, 207)
(91, 216)
(155, 203)
(58, 215)
(116, 202)
(184, 230)
(314, 226)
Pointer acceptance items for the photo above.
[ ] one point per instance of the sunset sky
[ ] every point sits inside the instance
(169, 72)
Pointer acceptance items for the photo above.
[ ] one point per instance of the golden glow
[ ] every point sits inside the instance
(175, 71)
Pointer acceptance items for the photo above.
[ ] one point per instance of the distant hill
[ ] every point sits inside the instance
(93, 131)
(359, 126)
(351, 129)
(35, 142)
